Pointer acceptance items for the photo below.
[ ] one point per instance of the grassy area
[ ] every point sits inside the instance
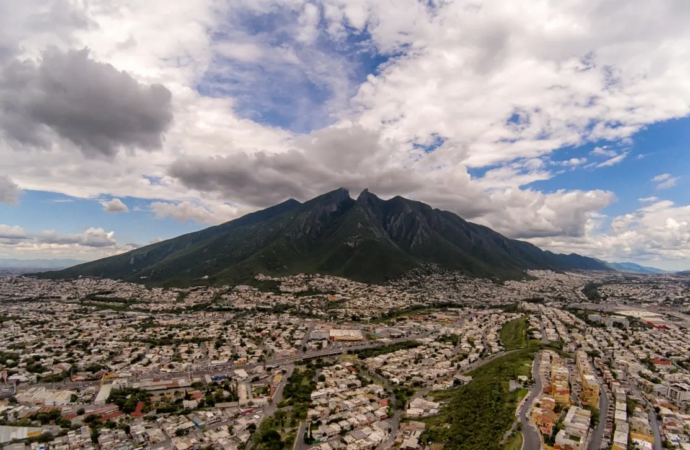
(514, 443)
(297, 393)
(514, 334)
(274, 435)
(522, 393)
(477, 415)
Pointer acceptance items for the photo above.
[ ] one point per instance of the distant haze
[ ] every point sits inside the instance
(38, 263)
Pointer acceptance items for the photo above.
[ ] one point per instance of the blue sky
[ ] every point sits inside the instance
(572, 137)
(660, 148)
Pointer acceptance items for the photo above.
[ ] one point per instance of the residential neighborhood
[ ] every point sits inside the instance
(327, 363)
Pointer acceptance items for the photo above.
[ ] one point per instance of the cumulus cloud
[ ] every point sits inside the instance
(186, 210)
(92, 237)
(350, 157)
(529, 214)
(91, 104)
(659, 231)
(499, 87)
(91, 244)
(664, 181)
(113, 205)
(10, 235)
(9, 191)
(573, 162)
(483, 76)
(356, 158)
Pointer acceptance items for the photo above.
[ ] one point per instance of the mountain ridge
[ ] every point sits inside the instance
(629, 267)
(365, 239)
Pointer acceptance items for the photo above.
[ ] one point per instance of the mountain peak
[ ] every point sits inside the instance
(365, 195)
(336, 196)
(340, 194)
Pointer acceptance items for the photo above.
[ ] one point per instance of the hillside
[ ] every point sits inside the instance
(367, 239)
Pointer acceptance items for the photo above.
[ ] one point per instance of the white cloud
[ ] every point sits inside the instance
(92, 237)
(665, 181)
(501, 86)
(186, 210)
(113, 205)
(9, 191)
(573, 162)
(93, 243)
(11, 234)
(603, 151)
(613, 161)
(648, 199)
(657, 232)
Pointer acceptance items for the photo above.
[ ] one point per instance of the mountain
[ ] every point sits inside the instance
(636, 268)
(367, 239)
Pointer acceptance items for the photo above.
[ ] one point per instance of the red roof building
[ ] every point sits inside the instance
(138, 410)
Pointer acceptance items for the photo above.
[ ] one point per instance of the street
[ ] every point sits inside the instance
(598, 433)
(652, 417)
(531, 436)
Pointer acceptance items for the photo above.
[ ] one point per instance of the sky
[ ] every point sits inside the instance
(565, 124)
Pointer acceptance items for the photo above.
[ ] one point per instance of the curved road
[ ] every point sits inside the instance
(532, 437)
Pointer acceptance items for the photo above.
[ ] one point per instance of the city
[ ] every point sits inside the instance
(344, 225)
(590, 361)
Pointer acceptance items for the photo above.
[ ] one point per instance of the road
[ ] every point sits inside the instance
(299, 439)
(531, 436)
(598, 434)
(652, 416)
(273, 406)
(544, 340)
(307, 336)
(655, 428)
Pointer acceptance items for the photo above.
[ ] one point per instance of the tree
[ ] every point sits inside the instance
(251, 427)
(81, 411)
(91, 418)
(280, 417)
(45, 437)
(271, 435)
